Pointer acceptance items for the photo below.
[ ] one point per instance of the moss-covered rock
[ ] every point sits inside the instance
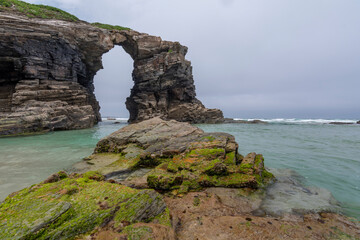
(69, 207)
(188, 172)
(216, 167)
(183, 157)
(127, 159)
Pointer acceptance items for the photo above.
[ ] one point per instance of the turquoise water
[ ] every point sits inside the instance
(28, 160)
(327, 156)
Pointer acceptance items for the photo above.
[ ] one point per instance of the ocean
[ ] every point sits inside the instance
(325, 158)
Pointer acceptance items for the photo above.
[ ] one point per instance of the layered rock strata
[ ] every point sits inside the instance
(38, 105)
(42, 53)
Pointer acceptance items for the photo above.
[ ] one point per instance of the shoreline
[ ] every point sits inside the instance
(317, 121)
(203, 188)
(63, 136)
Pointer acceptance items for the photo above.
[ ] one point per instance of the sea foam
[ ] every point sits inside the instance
(299, 121)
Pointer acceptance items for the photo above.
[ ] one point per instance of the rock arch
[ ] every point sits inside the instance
(47, 69)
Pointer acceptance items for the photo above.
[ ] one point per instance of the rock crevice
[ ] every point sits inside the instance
(41, 53)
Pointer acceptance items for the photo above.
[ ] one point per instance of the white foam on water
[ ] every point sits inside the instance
(299, 121)
(114, 119)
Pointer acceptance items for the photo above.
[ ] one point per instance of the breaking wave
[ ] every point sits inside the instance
(301, 121)
(114, 119)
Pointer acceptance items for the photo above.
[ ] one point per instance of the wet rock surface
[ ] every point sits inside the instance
(218, 213)
(37, 54)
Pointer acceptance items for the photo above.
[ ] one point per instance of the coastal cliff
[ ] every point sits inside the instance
(47, 69)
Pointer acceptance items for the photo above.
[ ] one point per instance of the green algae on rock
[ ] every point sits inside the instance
(182, 156)
(66, 207)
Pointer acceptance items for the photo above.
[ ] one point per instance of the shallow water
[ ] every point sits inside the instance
(28, 160)
(288, 195)
(327, 156)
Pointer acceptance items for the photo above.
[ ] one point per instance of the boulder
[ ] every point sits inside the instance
(181, 156)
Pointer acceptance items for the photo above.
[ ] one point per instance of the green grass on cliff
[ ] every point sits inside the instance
(109, 27)
(48, 12)
(34, 10)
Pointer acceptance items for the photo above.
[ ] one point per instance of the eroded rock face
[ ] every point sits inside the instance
(69, 53)
(49, 104)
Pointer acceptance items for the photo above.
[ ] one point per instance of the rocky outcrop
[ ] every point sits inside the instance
(358, 122)
(341, 123)
(69, 207)
(38, 54)
(177, 156)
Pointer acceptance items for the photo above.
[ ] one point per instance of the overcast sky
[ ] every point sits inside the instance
(250, 58)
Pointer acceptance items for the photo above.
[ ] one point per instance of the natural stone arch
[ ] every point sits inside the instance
(47, 68)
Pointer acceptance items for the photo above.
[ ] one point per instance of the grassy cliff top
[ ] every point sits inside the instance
(109, 27)
(47, 12)
(34, 10)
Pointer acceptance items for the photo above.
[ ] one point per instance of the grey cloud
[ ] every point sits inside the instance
(227, 2)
